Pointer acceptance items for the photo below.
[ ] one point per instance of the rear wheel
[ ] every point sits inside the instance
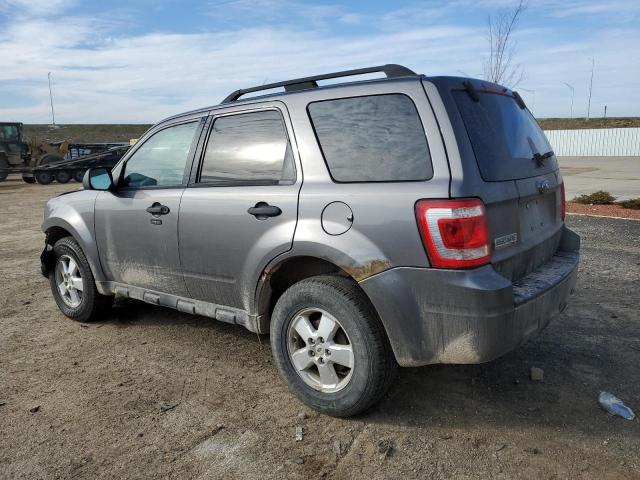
(43, 177)
(63, 176)
(330, 347)
(73, 285)
(78, 175)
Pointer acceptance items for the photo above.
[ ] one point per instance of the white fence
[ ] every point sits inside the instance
(596, 142)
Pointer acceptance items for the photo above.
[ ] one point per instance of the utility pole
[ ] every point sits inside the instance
(573, 92)
(593, 63)
(53, 117)
(605, 111)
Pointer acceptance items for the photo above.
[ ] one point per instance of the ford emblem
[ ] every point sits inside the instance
(543, 186)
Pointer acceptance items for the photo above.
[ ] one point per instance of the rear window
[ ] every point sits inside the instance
(504, 137)
(372, 139)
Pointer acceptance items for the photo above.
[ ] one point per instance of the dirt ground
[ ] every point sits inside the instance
(83, 401)
(614, 210)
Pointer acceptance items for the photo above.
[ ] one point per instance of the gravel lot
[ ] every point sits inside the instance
(83, 401)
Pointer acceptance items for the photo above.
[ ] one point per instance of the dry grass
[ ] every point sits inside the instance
(84, 133)
(87, 133)
(582, 123)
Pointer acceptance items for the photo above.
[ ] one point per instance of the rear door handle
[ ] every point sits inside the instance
(158, 209)
(263, 210)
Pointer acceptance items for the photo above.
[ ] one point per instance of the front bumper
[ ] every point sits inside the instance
(470, 316)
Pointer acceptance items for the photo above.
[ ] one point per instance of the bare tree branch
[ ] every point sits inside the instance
(499, 67)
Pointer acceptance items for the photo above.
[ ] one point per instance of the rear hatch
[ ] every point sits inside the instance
(516, 172)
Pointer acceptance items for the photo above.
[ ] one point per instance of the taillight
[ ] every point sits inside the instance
(454, 232)
(563, 208)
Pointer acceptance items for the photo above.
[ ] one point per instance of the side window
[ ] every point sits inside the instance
(248, 148)
(375, 138)
(161, 160)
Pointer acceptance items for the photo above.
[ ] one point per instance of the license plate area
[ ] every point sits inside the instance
(537, 216)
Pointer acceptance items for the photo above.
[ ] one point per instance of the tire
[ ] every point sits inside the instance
(78, 175)
(29, 179)
(87, 304)
(43, 177)
(63, 176)
(373, 366)
(4, 165)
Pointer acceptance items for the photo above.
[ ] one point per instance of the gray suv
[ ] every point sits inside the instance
(406, 220)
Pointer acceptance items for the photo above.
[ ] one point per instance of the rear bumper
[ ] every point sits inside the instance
(470, 316)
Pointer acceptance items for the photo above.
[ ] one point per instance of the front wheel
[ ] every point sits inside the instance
(73, 285)
(330, 346)
(4, 169)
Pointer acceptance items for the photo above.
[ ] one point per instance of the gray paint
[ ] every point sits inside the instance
(337, 218)
(210, 257)
(132, 249)
(469, 316)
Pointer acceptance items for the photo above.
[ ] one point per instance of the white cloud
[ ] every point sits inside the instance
(35, 7)
(101, 76)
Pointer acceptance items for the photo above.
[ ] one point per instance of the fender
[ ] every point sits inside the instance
(76, 215)
(310, 241)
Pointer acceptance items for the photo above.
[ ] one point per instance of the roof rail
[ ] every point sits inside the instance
(390, 70)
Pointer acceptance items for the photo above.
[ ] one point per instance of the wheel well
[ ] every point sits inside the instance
(56, 233)
(284, 275)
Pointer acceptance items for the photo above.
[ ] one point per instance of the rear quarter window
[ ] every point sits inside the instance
(376, 138)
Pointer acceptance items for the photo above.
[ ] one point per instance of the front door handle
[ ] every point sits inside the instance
(263, 210)
(158, 209)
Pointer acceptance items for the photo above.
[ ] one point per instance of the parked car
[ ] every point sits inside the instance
(407, 220)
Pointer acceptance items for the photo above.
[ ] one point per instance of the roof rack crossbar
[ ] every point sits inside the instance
(391, 70)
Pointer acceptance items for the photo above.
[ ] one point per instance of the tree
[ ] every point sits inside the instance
(499, 67)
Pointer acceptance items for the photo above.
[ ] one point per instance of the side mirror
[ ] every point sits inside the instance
(97, 179)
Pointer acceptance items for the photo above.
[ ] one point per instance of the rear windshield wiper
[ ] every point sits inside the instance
(540, 158)
(519, 101)
(473, 93)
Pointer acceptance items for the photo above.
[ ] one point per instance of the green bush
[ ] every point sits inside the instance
(633, 203)
(598, 198)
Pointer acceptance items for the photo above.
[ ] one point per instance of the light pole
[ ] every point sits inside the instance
(573, 92)
(53, 117)
(593, 63)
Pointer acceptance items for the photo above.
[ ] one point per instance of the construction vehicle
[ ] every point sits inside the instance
(14, 150)
(46, 162)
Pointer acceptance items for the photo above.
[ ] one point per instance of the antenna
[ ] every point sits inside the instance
(53, 117)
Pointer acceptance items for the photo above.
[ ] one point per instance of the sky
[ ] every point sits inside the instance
(139, 61)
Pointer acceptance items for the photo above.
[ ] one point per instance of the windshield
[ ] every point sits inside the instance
(505, 138)
(9, 133)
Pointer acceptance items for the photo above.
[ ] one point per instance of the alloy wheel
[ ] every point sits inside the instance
(69, 281)
(320, 350)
